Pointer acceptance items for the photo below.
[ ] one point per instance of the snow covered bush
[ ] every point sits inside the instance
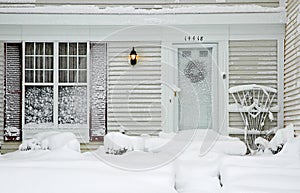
(117, 143)
(51, 141)
(72, 104)
(291, 148)
(38, 104)
(281, 137)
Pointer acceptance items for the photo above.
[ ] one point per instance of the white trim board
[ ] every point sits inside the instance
(184, 19)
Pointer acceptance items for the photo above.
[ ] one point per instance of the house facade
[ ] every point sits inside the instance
(65, 65)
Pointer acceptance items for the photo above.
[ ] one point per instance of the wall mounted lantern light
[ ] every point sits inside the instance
(133, 57)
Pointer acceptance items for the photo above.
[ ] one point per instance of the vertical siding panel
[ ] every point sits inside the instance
(252, 62)
(134, 93)
(292, 65)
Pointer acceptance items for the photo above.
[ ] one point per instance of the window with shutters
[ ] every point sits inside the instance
(55, 77)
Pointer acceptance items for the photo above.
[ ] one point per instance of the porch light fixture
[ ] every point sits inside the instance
(133, 57)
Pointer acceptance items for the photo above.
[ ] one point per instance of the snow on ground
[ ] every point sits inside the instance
(175, 164)
(263, 174)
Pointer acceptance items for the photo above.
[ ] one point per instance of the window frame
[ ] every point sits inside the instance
(81, 130)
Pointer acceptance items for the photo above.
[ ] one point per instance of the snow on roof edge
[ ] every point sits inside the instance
(91, 9)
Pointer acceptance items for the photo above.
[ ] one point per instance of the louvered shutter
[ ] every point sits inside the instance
(98, 91)
(13, 92)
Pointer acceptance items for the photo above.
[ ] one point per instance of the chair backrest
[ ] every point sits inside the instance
(254, 103)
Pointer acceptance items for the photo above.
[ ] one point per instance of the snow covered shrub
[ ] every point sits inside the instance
(38, 104)
(281, 137)
(117, 143)
(51, 141)
(31, 144)
(291, 148)
(72, 104)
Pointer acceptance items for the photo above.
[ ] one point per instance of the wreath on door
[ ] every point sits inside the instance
(195, 71)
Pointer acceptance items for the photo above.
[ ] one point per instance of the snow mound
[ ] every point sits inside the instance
(291, 148)
(118, 143)
(51, 141)
(282, 136)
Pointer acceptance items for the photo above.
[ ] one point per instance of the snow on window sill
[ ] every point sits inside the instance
(51, 126)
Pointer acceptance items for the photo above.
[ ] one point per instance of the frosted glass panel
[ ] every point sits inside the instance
(195, 99)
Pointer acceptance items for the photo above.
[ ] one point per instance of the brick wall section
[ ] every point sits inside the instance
(98, 91)
(13, 92)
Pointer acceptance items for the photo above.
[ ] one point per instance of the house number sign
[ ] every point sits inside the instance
(193, 38)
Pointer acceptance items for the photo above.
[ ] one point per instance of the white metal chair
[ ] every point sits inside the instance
(254, 104)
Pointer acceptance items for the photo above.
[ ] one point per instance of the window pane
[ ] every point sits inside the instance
(63, 48)
(72, 105)
(72, 48)
(29, 76)
(49, 48)
(63, 76)
(38, 76)
(82, 63)
(39, 49)
(49, 63)
(63, 63)
(29, 48)
(29, 62)
(72, 63)
(39, 63)
(82, 76)
(72, 76)
(38, 104)
(82, 48)
(48, 76)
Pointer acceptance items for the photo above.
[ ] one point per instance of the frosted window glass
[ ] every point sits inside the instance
(72, 105)
(195, 99)
(38, 104)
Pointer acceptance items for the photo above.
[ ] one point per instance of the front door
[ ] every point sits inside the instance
(196, 81)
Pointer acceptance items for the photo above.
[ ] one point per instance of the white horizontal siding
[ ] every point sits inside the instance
(2, 60)
(292, 65)
(252, 62)
(147, 3)
(134, 93)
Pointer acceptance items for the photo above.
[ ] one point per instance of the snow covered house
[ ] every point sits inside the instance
(65, 65)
